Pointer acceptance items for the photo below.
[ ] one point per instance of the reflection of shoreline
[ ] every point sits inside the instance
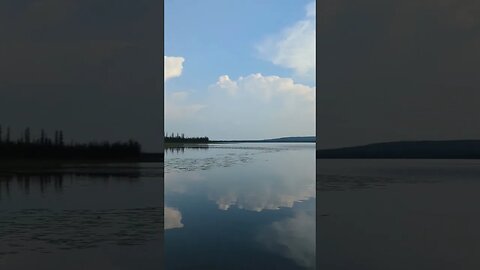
(180, 147)
(38, 162)
(24, 182)
(126, 169)
(44, 181)
(32, 218)
(45, 176)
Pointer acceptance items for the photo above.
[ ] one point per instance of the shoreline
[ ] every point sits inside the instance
(144, 158)
(172, 145)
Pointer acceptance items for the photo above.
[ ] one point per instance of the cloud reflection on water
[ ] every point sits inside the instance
(173, 218)
(255, 197)
(210, 186)
(293, 237)
(254, 179)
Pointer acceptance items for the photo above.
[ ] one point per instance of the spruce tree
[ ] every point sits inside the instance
(27, 135)
(60, 138)
(42, 137)
(7, 139)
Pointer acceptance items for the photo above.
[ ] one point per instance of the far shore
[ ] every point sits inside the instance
(171, 145)
(38, 162)
(449, 149)
(246, 141)
(190, 144)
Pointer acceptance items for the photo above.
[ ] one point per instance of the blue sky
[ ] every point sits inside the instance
(239, 40)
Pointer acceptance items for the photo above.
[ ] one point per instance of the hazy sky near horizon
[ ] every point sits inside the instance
(91, 68)
(240, 69)
(397, 70)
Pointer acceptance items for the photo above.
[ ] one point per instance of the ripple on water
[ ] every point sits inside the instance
(43, 230)
(337, 182)
(196, 164)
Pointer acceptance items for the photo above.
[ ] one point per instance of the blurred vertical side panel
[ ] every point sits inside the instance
(81, 134)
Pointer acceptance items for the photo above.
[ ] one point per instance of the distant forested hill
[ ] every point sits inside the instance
(457, 149)
(293, 139)
(283, 139)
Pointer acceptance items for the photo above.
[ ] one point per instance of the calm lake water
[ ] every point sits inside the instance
(398, 214)
(240, 206)
(82, 217)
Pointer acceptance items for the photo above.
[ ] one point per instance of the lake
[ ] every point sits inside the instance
(104, 216)
(398, 214)
(240, 206)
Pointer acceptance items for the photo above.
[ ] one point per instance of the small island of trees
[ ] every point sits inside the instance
(44, 147)
(181, 139)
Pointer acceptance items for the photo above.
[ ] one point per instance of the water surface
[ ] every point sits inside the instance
(398, 214)
(104, 216)
(240, 206)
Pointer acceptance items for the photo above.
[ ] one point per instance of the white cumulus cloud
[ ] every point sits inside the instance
(178, 106)
(266, 87)
(177, 103)
(251, 107)
(225, 83)
(173, 67)
(294, 46)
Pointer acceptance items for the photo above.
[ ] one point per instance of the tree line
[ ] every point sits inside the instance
(27, 146)
(180, 138)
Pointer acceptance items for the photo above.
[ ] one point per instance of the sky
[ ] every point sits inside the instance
(91, 68)
(240, 69)
(397, 70)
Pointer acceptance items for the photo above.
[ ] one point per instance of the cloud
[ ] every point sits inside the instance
(173, 218)
(225, 83)
(311, 9)
(273, 194)
(177, 106)
(254, 106)
(173, 67)
(265, 87)
(293, 237)
(294, 46)
(259, 106)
